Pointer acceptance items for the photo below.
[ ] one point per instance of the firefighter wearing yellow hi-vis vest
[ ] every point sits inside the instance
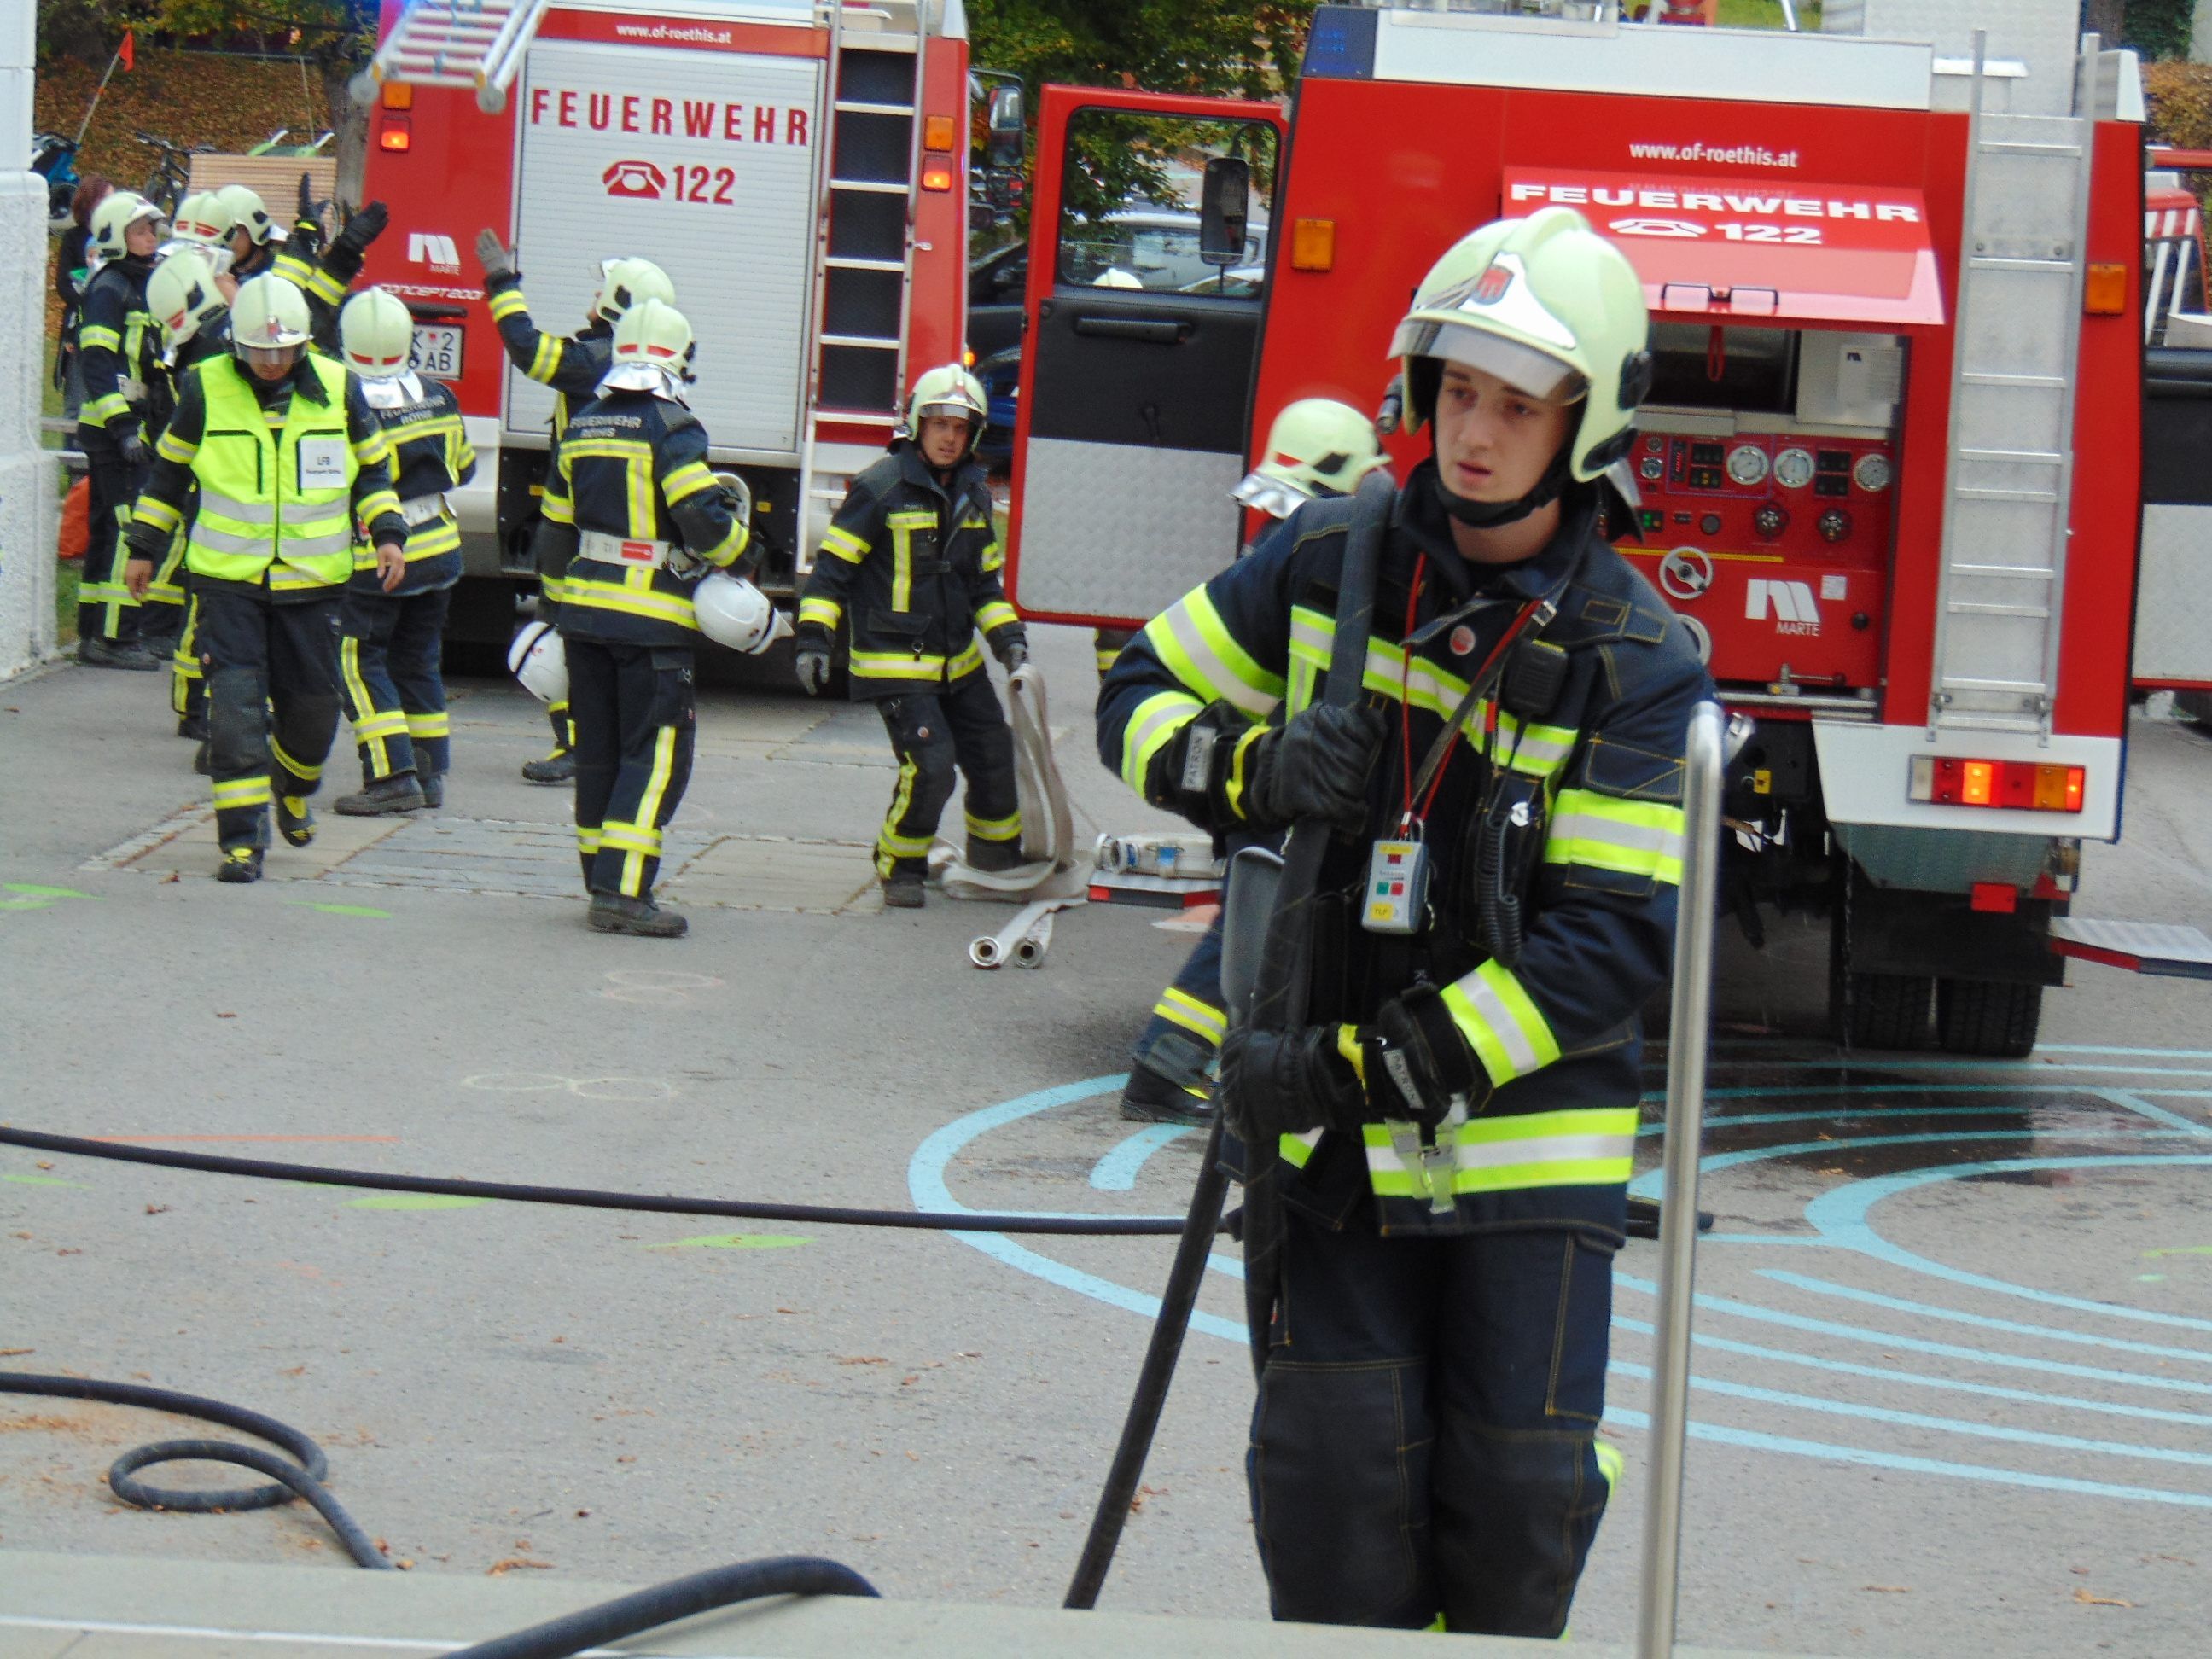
(287, 458)
(911, 564)
(1442, 1154)
(573, 365)
(636, 520)
(394, 621)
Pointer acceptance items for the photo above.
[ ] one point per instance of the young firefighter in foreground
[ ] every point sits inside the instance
(288, 458)
(1452, 1136)
(911, 563)
(634, 518)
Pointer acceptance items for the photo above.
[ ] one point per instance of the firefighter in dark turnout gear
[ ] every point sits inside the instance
(1317, 449)
(393, 624)
(185, 300)
(1452, 1137)
(573, 365)
(911, 564)
(126, 400)
(259, 244)
(633, 519)
(287, 459)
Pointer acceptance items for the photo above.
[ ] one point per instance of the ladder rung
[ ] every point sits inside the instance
(855, 106)
(851, 417)
(1967, 608)
(2019, 147)
(867, 342)
(2043, 497)
(876, 186)
(2017, 457)
(2024, 573)
(1991, 262)
(2025, 688)
(846, 262)
(2045, 382)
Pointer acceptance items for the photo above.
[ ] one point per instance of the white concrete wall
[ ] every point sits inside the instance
(2200, 32)
(27, 518)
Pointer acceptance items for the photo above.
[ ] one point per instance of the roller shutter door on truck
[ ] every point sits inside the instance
(702, 161)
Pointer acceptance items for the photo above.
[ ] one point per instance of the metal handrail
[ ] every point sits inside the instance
(1688, 1031)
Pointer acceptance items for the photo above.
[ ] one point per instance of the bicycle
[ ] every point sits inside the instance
(172, 173)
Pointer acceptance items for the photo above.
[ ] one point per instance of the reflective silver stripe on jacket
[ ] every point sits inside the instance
(597, 545)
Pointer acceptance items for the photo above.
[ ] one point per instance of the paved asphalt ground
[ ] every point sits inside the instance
(1956, 1360)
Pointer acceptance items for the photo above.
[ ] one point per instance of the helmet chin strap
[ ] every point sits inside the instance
(1492, 515)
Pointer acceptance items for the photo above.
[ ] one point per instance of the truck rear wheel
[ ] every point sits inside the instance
(1879, 1011)
(1987, 1017)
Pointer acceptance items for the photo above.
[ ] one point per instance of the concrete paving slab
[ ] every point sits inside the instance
(760, 873)
(186, 845)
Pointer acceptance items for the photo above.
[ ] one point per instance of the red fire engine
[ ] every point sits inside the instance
(799, 168)
(1888, 472)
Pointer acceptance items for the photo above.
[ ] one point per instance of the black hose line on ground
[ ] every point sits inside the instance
(679, 1598)
(828, 1215)
(303, 1478)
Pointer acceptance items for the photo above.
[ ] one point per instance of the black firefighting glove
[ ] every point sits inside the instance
(132, 447)
(1418, 1062)
(364, 227)
(1284, 1083)
(1316, 767)
(812, 663)
(495, 257)
(1011, 648)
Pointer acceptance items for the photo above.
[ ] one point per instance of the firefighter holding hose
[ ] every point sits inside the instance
(1449, 1132)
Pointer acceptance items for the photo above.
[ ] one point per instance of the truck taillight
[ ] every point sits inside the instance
(397, 133)
(2029, 785)
(937, 173)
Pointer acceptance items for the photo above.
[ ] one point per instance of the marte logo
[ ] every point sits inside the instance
(424, 248)
(1678, 228)
(1794, 608)
(635, 179)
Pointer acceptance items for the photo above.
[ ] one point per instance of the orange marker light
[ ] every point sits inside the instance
(2105, 292)
(397, 133)
(937, 132)
(398, 94)
(937, 173)
(1313, 245)
(1975, 783)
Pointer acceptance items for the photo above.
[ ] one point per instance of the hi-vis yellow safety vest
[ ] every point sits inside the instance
(278, 501)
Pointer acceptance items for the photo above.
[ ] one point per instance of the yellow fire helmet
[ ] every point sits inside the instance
(948, 389)
(1316, 447)
(1547, 305)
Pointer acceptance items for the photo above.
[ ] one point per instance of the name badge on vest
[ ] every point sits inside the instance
(323, 462)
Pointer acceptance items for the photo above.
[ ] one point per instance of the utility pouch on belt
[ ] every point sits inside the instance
(1507, 840)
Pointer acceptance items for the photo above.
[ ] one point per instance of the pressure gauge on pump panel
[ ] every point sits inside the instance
(1872, 474)
(1746, 465)
(1793, 468)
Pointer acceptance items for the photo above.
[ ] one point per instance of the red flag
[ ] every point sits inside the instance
(129, 51)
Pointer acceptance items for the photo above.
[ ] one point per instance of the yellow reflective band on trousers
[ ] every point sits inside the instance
(237, 792)
(902, 526)
(1630, 837)
(1593, 1147)
(1152, 726)
(440, 724)
(1006, 828)
(286, 763)
(640, 839)
(1197, 648)
(588, 839)
(372, 729)
(908, 666)
(1610, 1464)
(1200, 1020)
(256, 514)
(1534, 750)
(1500, 1023)
(890, 846)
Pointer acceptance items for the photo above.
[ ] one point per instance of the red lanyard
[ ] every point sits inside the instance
(1405, 701)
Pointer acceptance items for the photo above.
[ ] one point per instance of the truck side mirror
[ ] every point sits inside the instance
(1224, 201)
(1003, 147)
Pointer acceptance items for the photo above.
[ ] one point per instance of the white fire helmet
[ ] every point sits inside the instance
(733, 612)
(204, 221)
(376, 334)
(182, 295)
(111, 220)
(539, 660)
(248, 214)
(1317, 448)
(627, 280)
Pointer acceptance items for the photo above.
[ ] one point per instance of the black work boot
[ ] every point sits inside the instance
(295, 821)
(201, 763)
(400, 792)
(433, 787)
(559, 767)
(193, 726)
(990, 857)
(95, 651)
(902, 890)
(240, 864)
(611, 913)
(1149, 1097)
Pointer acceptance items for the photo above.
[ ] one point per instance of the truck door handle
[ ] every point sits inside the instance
(1159, 332)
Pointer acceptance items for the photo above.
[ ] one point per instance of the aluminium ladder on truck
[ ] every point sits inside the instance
(853, 360)
(2011, 481)
(458, 43)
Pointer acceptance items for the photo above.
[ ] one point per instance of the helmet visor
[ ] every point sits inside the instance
(279, 356)
(1547, 379)
(1269, 495)
(951, 409)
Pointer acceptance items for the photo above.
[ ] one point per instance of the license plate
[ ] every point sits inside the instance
(437, 351)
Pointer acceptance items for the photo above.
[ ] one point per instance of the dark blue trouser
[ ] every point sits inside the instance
(1187, 1023)
(395, 694)
(637, 721)
(1424, 1441)
(272, 687)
